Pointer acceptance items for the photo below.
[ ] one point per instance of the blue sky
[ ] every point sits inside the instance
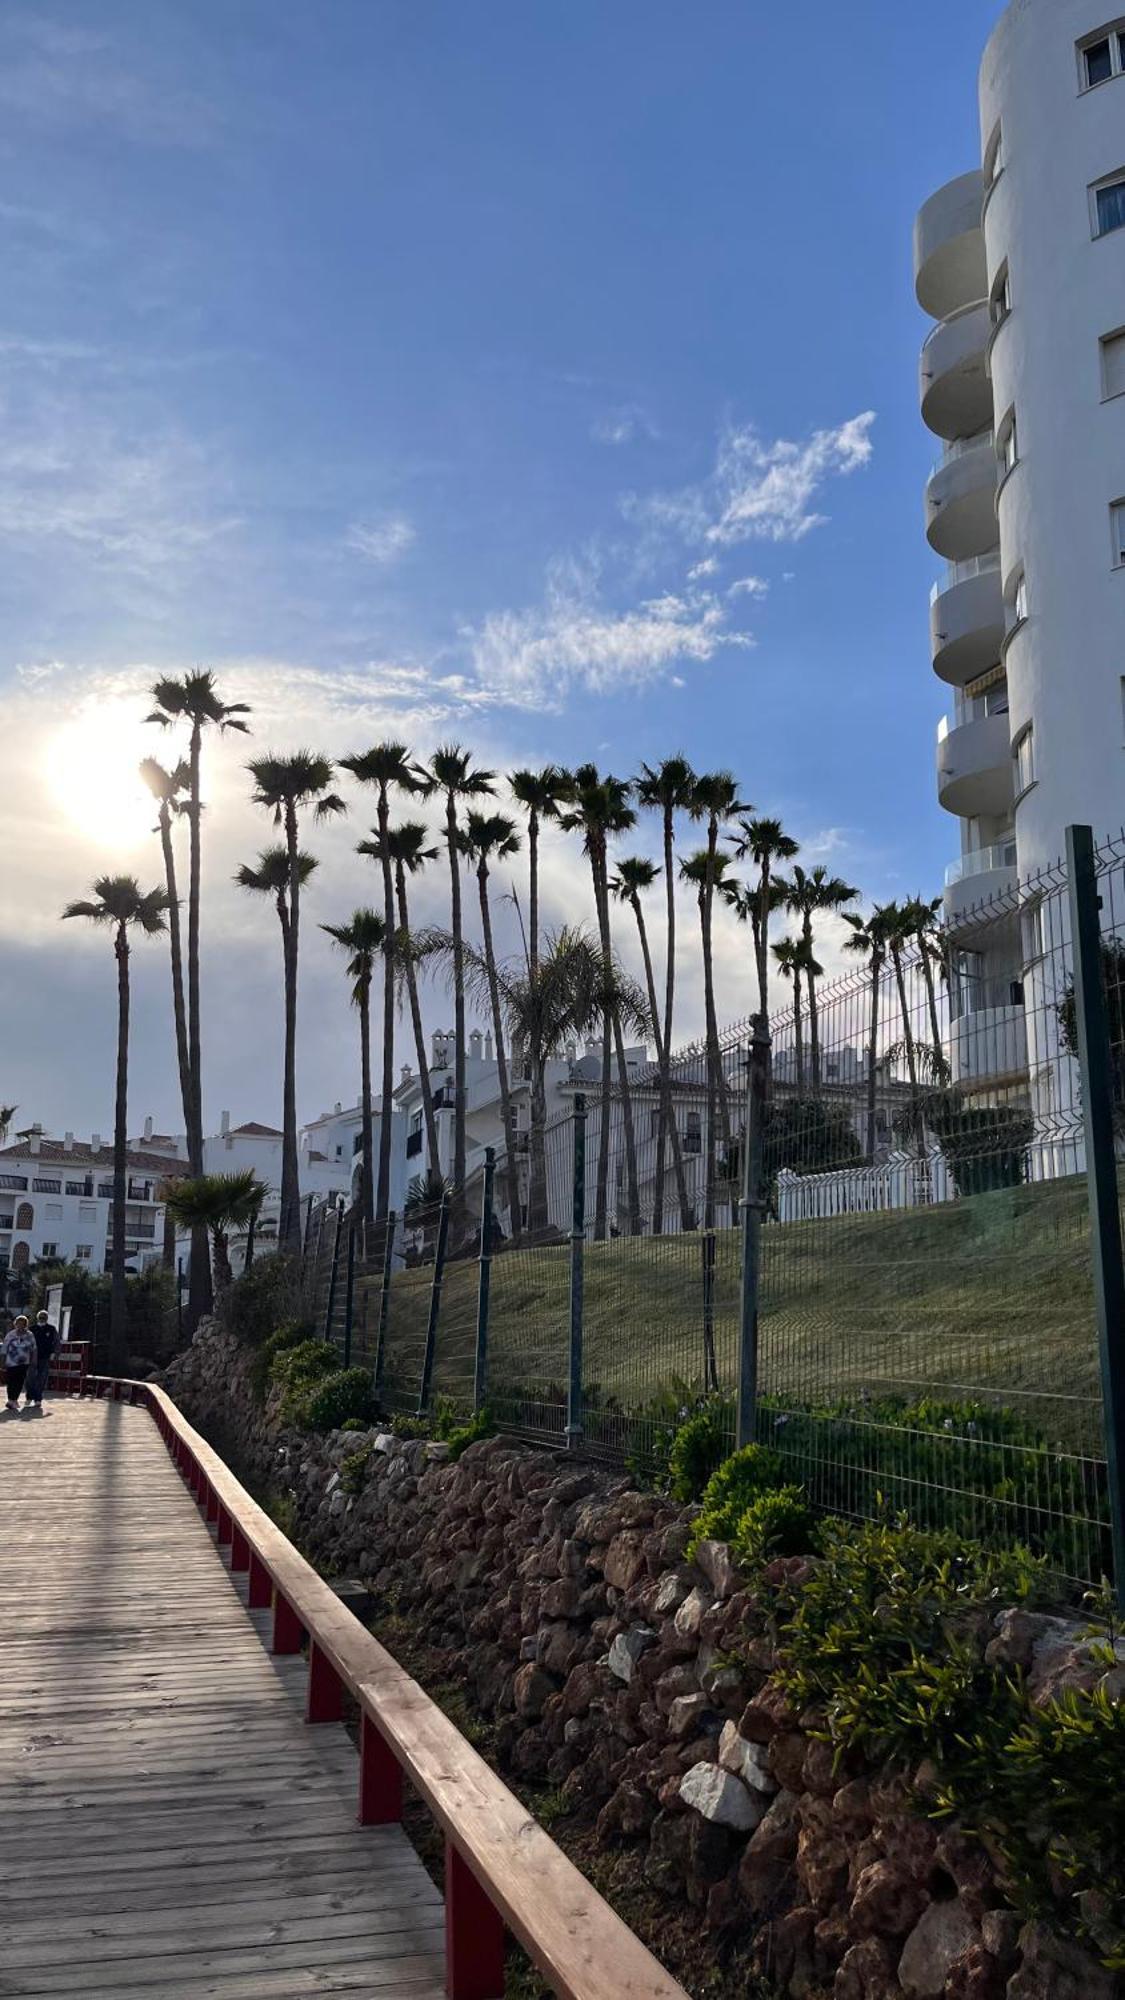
(451, 367)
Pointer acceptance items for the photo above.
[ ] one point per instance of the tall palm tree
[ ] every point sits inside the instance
(193, 699)
(288, 786)
(715, 800)
(218, 1204)
(789, 959)
(808, 894)
(869, 938)
(634, 875)
(406, 844)
(362, 938)
(706, 871)
(668, 789)
(492, 837)
(598, 808)
(7, 1113)
(540, 794)
(168, 787)
(764, 842)
(121, 903)
(387, 767)
(923, 919)
(451, 773)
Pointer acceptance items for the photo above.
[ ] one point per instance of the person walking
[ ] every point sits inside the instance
(19, 1354)
(46, 1336)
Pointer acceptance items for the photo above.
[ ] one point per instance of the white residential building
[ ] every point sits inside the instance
(1022, 266)
(56, 1202)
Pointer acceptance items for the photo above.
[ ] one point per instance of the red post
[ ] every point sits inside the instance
(380, 1779)
(239, 1551)
(324, 1701)
(474, 1935)
(212, 1502)
(226, 1528)
(259, 1593)
(288, 1630)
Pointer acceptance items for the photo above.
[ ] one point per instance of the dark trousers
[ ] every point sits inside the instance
(14, 1379)
(38, 1372)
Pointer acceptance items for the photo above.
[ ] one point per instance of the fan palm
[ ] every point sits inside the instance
(869, 939)
(192, 700)
(540, 794)
(119, 903)
(7, 1113)
(218, 1204)
(764, 842)
(634, 875)
(668, 789)
(706, 871)
(168, 787)
(788, 955)
(362, 937)
(923, 919)
(387, 767)
(409, 854)
(809, 893)
(286, 786)
(490, 837)
(451, 773)
(715, 800)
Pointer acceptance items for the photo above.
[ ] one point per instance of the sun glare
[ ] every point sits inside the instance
(92, 771)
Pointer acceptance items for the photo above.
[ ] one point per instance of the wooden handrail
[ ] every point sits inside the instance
(502, 1871)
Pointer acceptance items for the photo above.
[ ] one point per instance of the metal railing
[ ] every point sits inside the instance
(961, 447)
(961, 572)
(982, 861)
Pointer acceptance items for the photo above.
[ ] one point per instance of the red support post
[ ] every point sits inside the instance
(226, 1528)
(288, 1630)
(239, 1551)
(324, 1701)
(259, 1593)
(380, 1778)
(212, 1502)
(474, 1935)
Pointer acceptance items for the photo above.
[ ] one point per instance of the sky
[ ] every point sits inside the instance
(540, 377)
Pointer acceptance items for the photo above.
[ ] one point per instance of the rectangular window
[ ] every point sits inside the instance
(1000, 303)
(50, 1249)
(1019, 600)
(54, 1211)
(1117, 513)
(1109, 205)
(1031, 928)
(1024, 753)
(1101, 56)
(84, 1252)
(1113, 364)
(1009, 448)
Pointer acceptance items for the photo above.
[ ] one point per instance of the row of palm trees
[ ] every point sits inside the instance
(566, 983)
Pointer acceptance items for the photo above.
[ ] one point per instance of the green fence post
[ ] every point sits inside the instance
(577, 1273)
(426, 1389)
(1095, 1059)
(484, 1282)
(349, 1296)
(332, 1271)
(753, 1208)
(707, 1258)
(384, 1304)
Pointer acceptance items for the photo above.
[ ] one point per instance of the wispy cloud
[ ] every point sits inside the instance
(708, 566)
(623, 425)
(382, 541)
(57, 76)
(748, 586)
(759, 489)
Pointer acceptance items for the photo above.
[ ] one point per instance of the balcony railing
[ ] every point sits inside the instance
(413, 1144)
(982, 862)
(14, 1181)
(960, 447)
(80, 1187)
(46, 1187)
(960, 572)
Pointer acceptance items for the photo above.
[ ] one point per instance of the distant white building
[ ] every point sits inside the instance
(56, 1202)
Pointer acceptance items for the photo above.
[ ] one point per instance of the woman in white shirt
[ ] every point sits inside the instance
(19, 1353)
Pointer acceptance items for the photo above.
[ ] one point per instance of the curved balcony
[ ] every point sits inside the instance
(988, 1045)
(955, 391)
(967, 620)
(961, 499)
(979, 879)
(950, 268)
(974, 766)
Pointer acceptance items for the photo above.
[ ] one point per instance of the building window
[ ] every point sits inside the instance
(994, 158)
(693, 1133)
(1108, 205)
(1113, 364)
(50, 1249)
(1101, 56)
(1023, 750)
(87, 1211)
(1117, 516)
(54, 1211)
(1032, 933)
(84, 1252)
(1007, 446)
(25, 1216)
(1000, 299)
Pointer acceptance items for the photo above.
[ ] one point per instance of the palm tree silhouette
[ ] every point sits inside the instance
(217, 1203)
(923, 919)
(807, 894)
(540, 794)
(491, 837)
(790, 958)
(409, 854)
(635, 874)
(362, 937)
(451, 773)
(668, 789)
(168, 788)
(706, 871)
(869, 938)
(714, 799)
(764, 842)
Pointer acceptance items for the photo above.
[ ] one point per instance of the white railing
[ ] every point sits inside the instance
(943, 325)
(960, 572)
(981, 862)
(961, 447)
(902, 1181)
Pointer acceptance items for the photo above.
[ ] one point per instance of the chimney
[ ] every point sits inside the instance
(224, 1124)
(95, 1142)
(474, 1045)
(148, 1128)
(407, 1072)
(337, 1107)
(35, 1140)
(591, 1046)
(68, 1142)
(488, 1045)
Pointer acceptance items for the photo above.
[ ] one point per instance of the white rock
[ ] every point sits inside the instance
(719, 1796)
(333, 1483)
(691, 1613)
(942, 1934)
(670, 1595)
(744, 1760)
(627, 1649)
(386, 1442)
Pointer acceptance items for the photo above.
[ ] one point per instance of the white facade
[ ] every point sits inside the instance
(56, 1202)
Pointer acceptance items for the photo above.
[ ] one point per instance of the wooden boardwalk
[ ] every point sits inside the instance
(169, 1824)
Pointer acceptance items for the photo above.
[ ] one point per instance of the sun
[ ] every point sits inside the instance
(92, 772)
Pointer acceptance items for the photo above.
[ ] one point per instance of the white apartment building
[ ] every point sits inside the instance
(56, 1202)
(1022, 266)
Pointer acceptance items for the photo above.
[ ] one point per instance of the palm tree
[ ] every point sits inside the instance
(406, 844)
(869, 941)
(706, 871)
(540, 794)
(807, 894)
(218, 1204)
(362, 937)
(120, 902)
(452, 774)
(385, 766)
(167, 787)
(714, 799)
(193, 699)
(286, 786)
(7, 1113)
(764, 842)
(789, 957)
(493, 837)
(634, 875)
(598, 808)
(922, 917)
(666, 788)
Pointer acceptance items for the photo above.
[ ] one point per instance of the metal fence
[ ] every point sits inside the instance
(884, 1237)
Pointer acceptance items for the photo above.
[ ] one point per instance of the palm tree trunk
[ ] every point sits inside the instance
(533, 873)
(512, 1169)
(814, 1018)
(366, 1143)
(931, 998)
(873, 1053)
(118, 1337)
(664, 1039)
(711, 1112)
(183, 1058)
(538, 1214)
(458, 995)
(289, 1232)
(383, 1194)
(224, 1276)
(798, 1032)
(200, 1294)
(709, 978)
(908, 1044)
(667, 1127)
(416, 1023)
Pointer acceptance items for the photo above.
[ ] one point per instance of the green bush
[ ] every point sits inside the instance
(292, 1334)
(699, 1448)
(328, 1404)
(353, 1471)
(403, 1426)
(264, 1297)
(355, 1424)
(460, 1436)
(776, 1524)
(731, 1489)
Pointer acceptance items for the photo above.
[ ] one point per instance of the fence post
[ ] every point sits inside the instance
(484, 1282)
(425, 1391)
(334, 1268)
(384, 1304)
(1095, 1059)
(349, 1296)
(752, 1206)
(577, 1272)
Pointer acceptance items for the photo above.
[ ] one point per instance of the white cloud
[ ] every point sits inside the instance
(382, 541)
(749, 586)
(623, 425)
(759, 490)
(707, 567)
(55, 76)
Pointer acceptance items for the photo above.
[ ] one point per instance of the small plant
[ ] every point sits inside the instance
(776, 1524)
(699, 1448)
(282, 1509)
(328, 1403)
(732, 1489)
(295, 1369)
(291, 1334)
(460, 1436)
(353, 1471)
(403, 1426)
(264, 1297)
(355, 1424)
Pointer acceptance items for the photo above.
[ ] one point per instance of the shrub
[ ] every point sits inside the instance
(776, 1524)
(731, 1489)
(328, 1404)
(353, 1471)
(292, 1334)
(411, 1427)
(355, 1424)
(460, 1436)
(305, 1361)
(264, 1297)
(699, 1448)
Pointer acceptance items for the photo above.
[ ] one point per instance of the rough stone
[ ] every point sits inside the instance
(1052, 1969)
(627, 1649)
(745, 1760)
(689, 1716)
(769, 1857)
(625, 1560)
(867, 1973)
(719, 1567)
(692, 1611)
(887, 1901)
(532, 1689)
(722, 1798)
(942, 1935)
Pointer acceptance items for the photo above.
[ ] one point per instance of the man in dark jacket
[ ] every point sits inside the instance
(46, 1341)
